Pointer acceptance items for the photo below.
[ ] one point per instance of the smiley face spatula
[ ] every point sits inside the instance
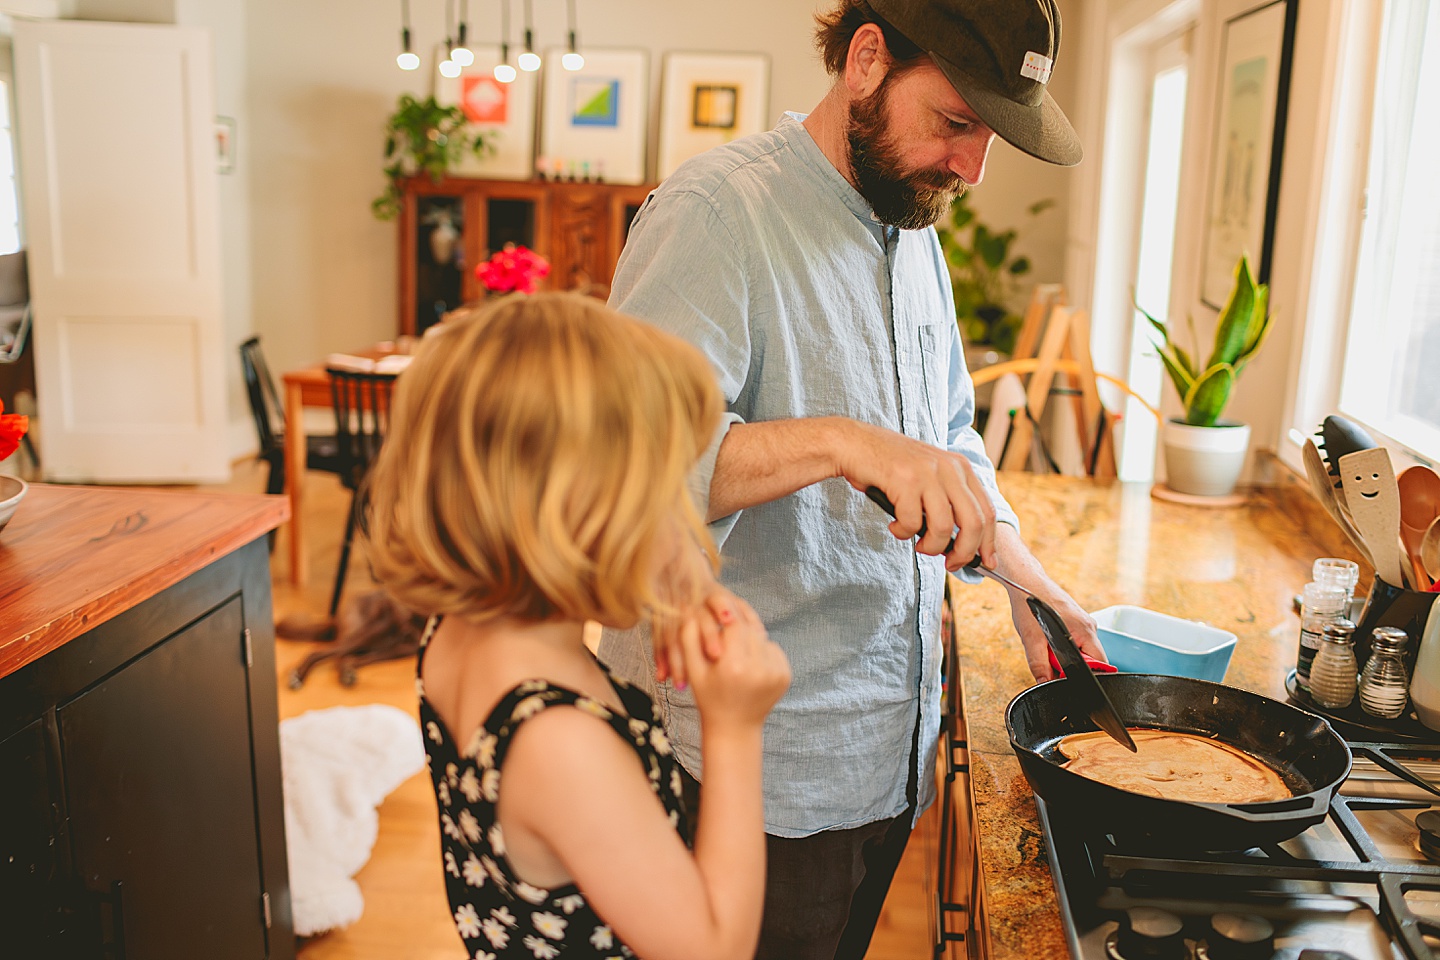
(1368, 481)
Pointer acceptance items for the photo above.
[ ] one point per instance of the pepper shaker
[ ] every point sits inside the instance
(1384, 686)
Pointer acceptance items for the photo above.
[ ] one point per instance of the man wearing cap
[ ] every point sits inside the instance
(803, 263)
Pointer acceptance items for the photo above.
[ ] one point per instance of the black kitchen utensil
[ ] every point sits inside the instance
(1342, 436)
(1300, 746)
(883, 502)
(1097, 706)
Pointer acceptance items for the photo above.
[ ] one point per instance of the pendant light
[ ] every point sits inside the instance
(448, 67)
(529, 60)
(503, 71)
(406, 60)
(572, 60)
(461, 52)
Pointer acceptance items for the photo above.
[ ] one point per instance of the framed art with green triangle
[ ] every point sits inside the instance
(594, 120)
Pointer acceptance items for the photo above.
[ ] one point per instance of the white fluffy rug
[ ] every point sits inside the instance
(338, 765)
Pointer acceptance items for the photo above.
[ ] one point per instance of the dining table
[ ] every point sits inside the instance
(309, 386)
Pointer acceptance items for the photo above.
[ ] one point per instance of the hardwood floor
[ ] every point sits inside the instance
(405, 908)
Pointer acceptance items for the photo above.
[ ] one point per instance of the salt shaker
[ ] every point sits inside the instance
(1332, 675)
(1384, 686)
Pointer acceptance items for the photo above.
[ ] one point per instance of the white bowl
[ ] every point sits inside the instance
(12, 491)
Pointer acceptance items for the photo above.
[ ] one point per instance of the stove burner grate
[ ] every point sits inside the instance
(1271, 866)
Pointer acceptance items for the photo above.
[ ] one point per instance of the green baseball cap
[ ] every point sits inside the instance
(998, 55)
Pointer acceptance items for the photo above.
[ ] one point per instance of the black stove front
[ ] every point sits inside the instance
(1361, 885)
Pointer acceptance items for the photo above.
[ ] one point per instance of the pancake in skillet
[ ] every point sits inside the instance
(1174, 766)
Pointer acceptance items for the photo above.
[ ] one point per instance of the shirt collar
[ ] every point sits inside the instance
(792, 128)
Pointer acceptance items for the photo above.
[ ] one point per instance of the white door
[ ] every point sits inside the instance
(117, 158)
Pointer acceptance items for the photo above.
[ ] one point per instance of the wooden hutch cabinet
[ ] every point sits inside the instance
(448, 227)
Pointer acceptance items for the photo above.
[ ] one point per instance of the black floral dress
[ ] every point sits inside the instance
(498, 915)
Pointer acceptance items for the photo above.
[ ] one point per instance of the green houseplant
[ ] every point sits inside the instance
(1204, 455)
(422, 136)
(985, 271)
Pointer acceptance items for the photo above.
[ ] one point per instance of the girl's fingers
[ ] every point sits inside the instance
(690, 654)
(712, 644)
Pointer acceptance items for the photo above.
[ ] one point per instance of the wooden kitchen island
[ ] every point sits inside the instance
(1238, 569)
(140, 800)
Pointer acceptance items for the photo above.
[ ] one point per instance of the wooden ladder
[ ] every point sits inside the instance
(1058, 337)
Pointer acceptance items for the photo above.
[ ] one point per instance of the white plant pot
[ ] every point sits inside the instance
(1205, 461)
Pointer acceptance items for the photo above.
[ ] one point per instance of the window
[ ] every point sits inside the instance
(1391, 368)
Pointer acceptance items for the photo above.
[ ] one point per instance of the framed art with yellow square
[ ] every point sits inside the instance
(708, 99)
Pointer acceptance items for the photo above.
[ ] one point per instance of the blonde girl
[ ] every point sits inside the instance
(534, 478)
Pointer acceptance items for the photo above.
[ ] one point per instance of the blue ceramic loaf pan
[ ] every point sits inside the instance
(1137, 640)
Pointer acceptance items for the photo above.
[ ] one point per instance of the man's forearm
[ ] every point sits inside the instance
(1019, 564)
(761, 462)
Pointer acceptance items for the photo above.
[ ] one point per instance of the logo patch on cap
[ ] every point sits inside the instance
(1037, 67)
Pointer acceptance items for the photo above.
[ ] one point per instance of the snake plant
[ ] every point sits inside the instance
(1239, 333)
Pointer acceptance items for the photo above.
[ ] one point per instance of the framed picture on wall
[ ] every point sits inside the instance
(1246, 145)
(506, 110)
(593, 120)
(708, 99)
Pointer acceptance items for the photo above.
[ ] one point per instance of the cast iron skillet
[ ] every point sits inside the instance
(1308, 754)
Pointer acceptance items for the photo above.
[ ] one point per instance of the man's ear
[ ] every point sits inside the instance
(867, 61)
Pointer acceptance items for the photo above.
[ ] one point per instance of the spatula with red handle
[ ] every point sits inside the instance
(1070, 661)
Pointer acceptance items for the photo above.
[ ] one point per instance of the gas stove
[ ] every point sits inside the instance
(1363, 884)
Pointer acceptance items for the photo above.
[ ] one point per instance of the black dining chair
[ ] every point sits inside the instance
(321, 452)
(362, 415)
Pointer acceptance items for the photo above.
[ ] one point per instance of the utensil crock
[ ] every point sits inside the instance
(1390, 606)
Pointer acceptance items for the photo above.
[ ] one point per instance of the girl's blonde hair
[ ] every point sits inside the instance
(536, 465)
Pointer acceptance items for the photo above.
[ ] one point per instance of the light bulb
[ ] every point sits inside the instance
(449, 68)
(504, 73)
(462, 56)
(572, 61)
(408, 61)
(529, 61)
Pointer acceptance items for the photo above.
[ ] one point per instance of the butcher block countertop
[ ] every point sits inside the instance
(1237, 569)
(73, 557)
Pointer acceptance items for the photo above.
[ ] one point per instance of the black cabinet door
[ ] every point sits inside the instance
(40, 912)
(161, 795)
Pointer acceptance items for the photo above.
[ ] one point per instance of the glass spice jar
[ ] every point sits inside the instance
(1384, 686)
(1323, 603)
(1332, 675)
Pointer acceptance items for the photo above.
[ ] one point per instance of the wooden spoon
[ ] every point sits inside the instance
(1419, 488)
(1323, 489)
(1368, 481)
(1430, 551)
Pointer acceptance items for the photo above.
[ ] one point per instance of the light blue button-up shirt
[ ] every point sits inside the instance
(767, 259)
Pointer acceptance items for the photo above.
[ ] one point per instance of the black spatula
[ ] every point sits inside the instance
(1092, 697)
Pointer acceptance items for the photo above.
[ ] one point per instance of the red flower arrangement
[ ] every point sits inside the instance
(513, 269)
(12, 428)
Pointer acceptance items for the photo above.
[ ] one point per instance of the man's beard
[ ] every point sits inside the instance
(910, 201)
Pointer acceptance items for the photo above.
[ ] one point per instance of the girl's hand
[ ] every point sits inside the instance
(738, 681)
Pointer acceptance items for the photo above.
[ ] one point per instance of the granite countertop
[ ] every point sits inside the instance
(1238, 569)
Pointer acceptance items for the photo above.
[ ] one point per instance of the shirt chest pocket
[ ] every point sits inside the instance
(935, 382)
